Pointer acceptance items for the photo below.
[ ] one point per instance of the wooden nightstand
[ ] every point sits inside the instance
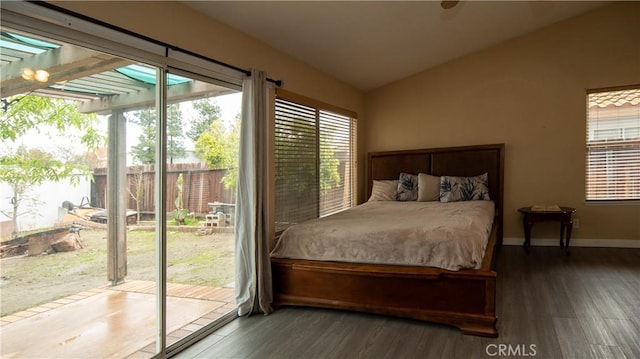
(564, 216)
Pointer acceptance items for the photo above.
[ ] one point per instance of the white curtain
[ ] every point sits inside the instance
(253, 268)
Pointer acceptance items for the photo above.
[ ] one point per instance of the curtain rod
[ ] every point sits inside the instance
(146, 38)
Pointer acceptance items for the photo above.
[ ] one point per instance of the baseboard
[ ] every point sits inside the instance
(577, 242)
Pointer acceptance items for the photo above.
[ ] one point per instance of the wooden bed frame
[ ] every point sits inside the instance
(464, 298)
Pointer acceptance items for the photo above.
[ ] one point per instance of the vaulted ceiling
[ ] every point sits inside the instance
(368, 44)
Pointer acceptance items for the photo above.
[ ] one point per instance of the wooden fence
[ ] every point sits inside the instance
(201, 186)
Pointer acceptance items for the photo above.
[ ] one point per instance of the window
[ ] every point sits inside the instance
(314, 159)
(613, 145)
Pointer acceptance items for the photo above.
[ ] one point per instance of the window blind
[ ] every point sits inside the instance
(336, 159)
(314, 162)
(613, 145)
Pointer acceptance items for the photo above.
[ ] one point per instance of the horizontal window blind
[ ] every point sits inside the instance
(336, 155)
(314, 160)
(613, 145)
(296, 164)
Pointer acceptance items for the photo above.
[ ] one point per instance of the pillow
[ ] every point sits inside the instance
(407, 187)
(454, 189)
(384, 190)
(428, 187)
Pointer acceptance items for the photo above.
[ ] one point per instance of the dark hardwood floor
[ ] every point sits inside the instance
(586, 305)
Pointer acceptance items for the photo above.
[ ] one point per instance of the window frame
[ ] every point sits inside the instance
(321, 109)
(592, 145)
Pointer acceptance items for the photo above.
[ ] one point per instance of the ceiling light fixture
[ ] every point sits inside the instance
(38, 75)
(448, 4)
(27, 74)
(42, 76)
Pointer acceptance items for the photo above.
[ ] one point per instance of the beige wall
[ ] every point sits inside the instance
(528, 93)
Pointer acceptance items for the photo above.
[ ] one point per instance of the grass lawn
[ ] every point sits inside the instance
(198, 260)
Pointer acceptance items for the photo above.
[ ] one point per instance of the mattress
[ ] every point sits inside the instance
(450, 236)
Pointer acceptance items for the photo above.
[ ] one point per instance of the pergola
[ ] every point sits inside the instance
(98, 83)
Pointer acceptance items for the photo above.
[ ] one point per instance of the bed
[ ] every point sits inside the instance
(464, 298)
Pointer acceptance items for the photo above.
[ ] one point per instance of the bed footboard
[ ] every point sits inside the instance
(465, 299)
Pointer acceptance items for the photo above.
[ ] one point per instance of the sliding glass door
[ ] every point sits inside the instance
(120, 177)
(66, 158)
(202, 126)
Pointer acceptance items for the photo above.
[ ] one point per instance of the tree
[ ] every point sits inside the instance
(144, 152)
(175, 135)
(329, 163)
(22, 171)
(218, 146)
(23, 168)
(208, 112)
(32, 112)
(138, 193)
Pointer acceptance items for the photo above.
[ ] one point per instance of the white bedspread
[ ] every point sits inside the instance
(452, 235)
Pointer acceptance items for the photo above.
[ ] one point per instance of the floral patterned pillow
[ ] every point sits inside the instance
(407, 187)
(453, 189)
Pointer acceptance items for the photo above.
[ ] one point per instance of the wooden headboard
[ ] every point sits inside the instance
(464, 161)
